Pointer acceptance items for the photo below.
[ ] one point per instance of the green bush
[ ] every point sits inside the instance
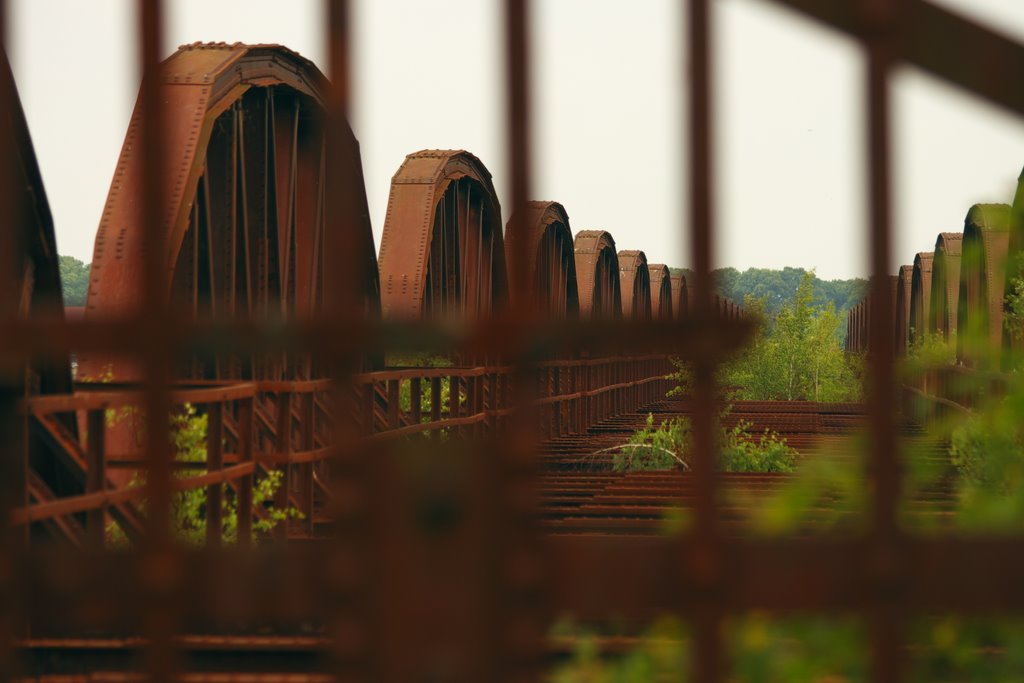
(661, 448)
(669, 446)
(188, 508)
(741, 452)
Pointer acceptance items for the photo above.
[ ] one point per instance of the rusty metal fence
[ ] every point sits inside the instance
(446, 577)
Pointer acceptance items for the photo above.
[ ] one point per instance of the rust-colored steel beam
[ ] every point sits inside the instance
(661, 291)
(442, 253)
(551, 265)
(597, 272)
(945, 283)
(973, 57)
(635, 285)
(982, 280)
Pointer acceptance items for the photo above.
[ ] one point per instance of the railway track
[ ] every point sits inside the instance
(581, 494)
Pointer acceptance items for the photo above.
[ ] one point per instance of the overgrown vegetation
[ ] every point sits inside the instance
(760, 650)
(777, 287)
(74, 276)
(188, 508)
(985, 446)
(669, 446)
(796, 354)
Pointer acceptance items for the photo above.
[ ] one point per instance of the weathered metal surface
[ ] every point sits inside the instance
(635, 285)
(982, 278)
(920, 295)
(982, 56)
(945, 283)
(442, 251)
(245, 222)
(552, 263)
(661, 291)
(597, 275)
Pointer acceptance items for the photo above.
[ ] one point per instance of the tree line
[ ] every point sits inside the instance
(778, 287)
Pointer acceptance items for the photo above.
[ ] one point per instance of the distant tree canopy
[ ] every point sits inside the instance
(796, 353)
(778, 287)
(74, 277)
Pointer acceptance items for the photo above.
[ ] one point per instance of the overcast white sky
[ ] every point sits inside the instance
(607, 115)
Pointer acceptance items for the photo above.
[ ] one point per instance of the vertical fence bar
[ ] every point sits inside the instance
(307, 443)
(453, 403)
(246, 483)
(884, 615)
(706, 644)
(283, 447)
(416, 400)
(160, 579)
(352, 593)
(518, 599)
(436, 399)
(96, 474)
(394, 414)
(214, 462)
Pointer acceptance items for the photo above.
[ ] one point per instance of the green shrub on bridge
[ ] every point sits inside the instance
(669, 446)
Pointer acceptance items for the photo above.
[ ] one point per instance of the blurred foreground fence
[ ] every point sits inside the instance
(434, 568)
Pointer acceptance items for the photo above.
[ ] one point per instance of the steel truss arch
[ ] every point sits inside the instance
(920, 295)
(597, 274)
(945, 284)
(551, 259)
(30, 276)
(982, 279)
(661, 291)
(442, 252)
(636, 285)
(903, 293)
(28, 243)
(680, 297)
(246, 227)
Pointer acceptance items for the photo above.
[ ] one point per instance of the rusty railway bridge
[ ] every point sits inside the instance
(446, 517)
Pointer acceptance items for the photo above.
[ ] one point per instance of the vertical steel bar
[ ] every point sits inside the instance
(518, 602)
(96, 474)
(351, 594)
(307, 442)
(161, 578)
(394, 414)
(453, 402)
(283, 446)
(435, 404)
(885, 619)
(245, 484)
(416, 400)
(706, 644)
(214, 462)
